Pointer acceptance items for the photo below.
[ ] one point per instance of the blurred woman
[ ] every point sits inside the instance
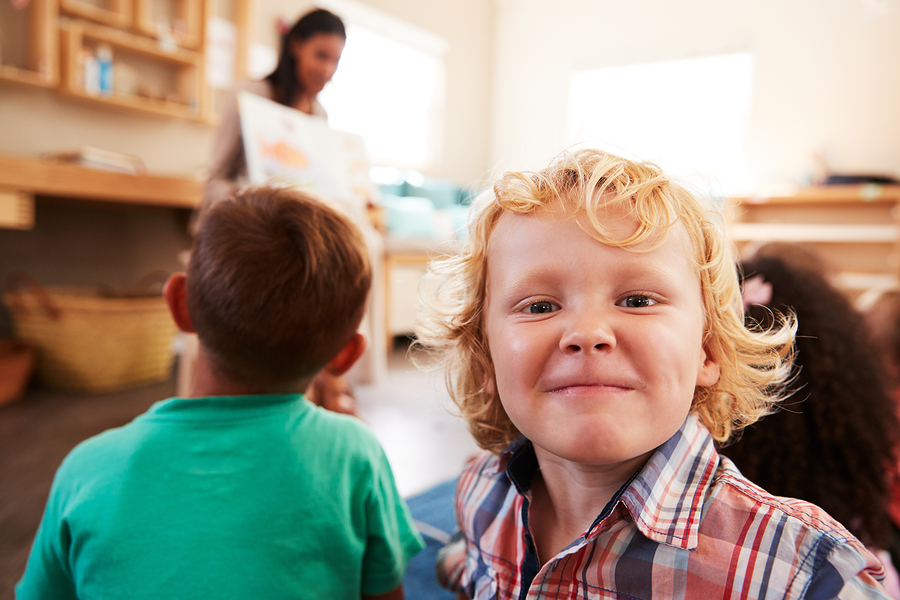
(308, 59)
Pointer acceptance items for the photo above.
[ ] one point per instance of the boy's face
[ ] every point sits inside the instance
(596, 350)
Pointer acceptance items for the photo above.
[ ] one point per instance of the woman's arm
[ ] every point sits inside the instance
(227, 151)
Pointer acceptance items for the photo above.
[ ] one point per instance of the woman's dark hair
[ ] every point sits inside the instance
(286, 86)
(832, 442)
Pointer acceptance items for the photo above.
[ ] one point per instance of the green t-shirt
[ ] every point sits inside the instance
(226, 497)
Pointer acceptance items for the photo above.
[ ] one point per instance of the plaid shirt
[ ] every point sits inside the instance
(687, 525)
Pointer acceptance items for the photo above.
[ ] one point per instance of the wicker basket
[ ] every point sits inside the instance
(86, 342)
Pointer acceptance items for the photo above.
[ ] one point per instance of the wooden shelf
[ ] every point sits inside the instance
(27, 77)
(145, 105)
(867, 281)
(48, 178)
(827, 194)
(189, 12)
(119, 15)
(123, 40)
(798, 232)
(855, 228)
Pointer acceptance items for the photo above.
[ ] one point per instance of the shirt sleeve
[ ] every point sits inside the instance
(392, 535)
(47, 574)
(450, 564)
(848, 573)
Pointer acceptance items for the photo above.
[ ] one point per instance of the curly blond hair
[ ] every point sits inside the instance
(450, 331)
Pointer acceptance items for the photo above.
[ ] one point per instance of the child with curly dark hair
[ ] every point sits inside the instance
(832, 440)
(882, 316)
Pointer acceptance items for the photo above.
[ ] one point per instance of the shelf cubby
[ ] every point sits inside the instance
(177, 90)
(28, 48)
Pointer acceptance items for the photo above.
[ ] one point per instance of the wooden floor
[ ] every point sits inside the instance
(36, 433)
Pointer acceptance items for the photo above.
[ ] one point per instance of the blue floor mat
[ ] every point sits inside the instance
(434, 514)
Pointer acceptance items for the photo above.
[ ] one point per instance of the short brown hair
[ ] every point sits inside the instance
(450, 328)
(277, 284)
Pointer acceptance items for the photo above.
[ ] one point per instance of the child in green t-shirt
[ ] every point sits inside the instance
(245, 489)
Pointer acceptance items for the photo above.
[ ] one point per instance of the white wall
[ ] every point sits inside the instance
(34, 120)
(826, 73)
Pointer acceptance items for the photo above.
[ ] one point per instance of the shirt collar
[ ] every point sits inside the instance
(664, 498)
(520, 463)
(226, 407)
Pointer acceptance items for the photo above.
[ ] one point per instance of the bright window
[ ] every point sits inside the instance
(689, 116)
(388, 90)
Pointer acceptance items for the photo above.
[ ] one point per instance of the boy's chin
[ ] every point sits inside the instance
(602, 457)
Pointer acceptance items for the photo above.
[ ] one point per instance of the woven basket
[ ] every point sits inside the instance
(86, 342)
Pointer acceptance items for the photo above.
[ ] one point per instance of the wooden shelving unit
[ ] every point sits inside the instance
(855, 228)
(188, 98)
(161, 44)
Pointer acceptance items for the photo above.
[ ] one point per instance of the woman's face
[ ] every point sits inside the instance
(317, 60)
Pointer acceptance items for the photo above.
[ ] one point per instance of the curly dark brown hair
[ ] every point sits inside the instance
(831, 443)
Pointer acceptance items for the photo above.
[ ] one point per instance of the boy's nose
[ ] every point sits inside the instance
(586, 334)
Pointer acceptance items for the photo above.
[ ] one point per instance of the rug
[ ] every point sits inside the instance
(435, 517)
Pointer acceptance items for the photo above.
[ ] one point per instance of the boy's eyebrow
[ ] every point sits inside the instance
(547, 274)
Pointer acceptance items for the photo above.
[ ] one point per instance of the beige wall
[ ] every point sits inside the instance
(34, 120)
(825, 73)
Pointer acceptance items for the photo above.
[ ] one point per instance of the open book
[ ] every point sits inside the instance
(289, 147)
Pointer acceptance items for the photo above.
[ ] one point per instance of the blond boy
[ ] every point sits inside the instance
(594, 342)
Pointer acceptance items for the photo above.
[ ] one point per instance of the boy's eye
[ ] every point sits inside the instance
(541, 307)
(638, 301)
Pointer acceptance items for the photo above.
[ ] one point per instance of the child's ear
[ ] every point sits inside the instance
(709, 371)
(176, 297)
(348, 355)
(489, 386)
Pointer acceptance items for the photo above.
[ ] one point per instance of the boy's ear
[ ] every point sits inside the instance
(709, 371)
(348, 355)
(489, 386)
(176, 297)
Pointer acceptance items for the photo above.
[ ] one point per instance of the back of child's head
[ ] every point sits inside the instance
(831, 442)
(276, 285)
(589, 185)
(882, 318)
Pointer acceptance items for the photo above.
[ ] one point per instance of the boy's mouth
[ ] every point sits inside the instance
(578, 389)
